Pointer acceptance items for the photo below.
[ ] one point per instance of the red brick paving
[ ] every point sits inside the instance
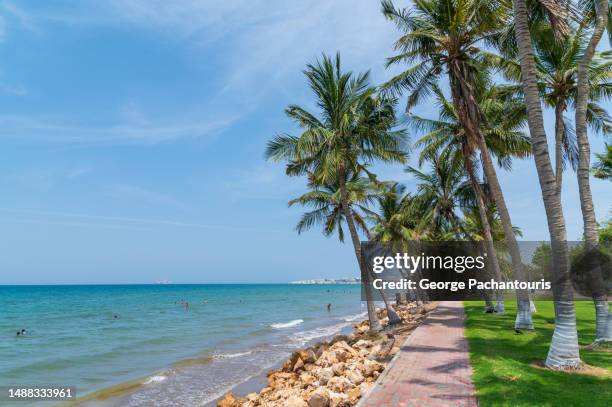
(432, 367)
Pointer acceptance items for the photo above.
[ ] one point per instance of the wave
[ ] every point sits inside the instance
(155, 379)
(289, 324)
(306, 336)
(232, 355)
(351, 318)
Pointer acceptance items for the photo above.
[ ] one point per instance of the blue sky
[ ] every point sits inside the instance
(132, 135)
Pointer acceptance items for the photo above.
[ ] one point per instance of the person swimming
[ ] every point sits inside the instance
(21, 333)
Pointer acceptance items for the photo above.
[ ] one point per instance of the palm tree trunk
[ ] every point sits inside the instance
(486, 227)
(470, 117)
(559, 132)
(563, 352)
(523, 316)
(602, 312)
(391, 314)
(372, 317)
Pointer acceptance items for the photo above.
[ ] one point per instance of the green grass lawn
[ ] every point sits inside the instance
(501, 359)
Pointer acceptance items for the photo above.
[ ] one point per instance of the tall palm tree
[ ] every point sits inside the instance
(444, 36)
(558, 65)
(557, 61)
(563, 352)
(591, 237)
(446, 136)
(352, 129)
(327, 211)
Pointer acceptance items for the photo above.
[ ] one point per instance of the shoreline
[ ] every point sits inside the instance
(334, 373)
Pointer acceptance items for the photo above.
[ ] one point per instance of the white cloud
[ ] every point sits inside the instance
(260, 46)
(271, 39)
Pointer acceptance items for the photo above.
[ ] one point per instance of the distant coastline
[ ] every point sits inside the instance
(346, 280)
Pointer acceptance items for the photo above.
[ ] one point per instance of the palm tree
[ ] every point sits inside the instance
(396, 219)
(603, 168)
(396, 225)
(444, 36)
(563, 352)
(441, 194)
(353, 129)
(591, 237)
(327, 210)
(557, 62)
(447, 137)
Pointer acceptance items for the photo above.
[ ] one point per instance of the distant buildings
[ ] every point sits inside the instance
(344, 280)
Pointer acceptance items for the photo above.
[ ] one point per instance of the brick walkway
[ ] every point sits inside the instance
(432, 367)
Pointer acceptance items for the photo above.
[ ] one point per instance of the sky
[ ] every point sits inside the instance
(132, 135)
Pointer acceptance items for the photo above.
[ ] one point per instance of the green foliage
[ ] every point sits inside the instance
(441, 35)
(327, 207)
(603, 167)
(353, 127)
(605, 233)
(502, 361)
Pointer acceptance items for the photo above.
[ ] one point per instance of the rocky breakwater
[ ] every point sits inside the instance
(335, 373)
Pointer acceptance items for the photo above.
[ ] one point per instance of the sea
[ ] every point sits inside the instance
(161, 345)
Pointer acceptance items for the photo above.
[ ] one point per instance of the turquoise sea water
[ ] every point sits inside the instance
(143, 338)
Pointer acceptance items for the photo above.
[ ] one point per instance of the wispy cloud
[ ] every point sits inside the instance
(55, 130)
(78, 172)
(67, 218)
(142, 195)
(12, 15)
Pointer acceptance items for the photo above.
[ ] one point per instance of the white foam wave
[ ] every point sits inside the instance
(306, 336)
(232, 355)
(351, 318)
(155, 379)
(289, 324)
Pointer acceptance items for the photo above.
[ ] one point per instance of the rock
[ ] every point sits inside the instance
(324, 374)
(229, 401)
(306, 379)
(354, 395)
(320, 398)
(338, 369)
(339, 338)
(370, 367)
(363, 343)
(337, 399)
(295, 401)
(252, 396)
(373, 354)
(319, 349)
(328, 358)
(307, 356)
(339, 384)
(299, 364)
(355, 377)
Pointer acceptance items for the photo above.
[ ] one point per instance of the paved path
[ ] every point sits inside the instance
(432, 368)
